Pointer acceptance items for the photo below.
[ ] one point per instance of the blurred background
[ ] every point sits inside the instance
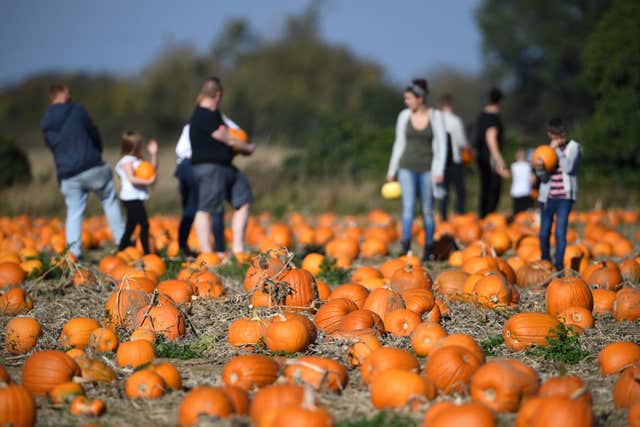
(318, 85)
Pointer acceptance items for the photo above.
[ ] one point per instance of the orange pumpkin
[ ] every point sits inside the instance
(397, 389)
(204, 401)
(17, 406)
(22, 334)
(320, 373)
(46, 369)
(616, 356)
(76, 332)
(451, 367)
(249, 371)
(144, 170)
(144, 384)
(135, 353)
(545, 155)
(385, 358)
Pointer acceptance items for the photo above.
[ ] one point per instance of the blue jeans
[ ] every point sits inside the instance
(414, 185)
(561, 209)
(76, 190)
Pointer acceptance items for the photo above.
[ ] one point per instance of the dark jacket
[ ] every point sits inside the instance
(73, 139)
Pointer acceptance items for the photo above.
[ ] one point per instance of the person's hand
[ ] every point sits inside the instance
(390, 178)
(152, 147)
(222, 134)
(502, 171)
(439, 179)
(555, 143)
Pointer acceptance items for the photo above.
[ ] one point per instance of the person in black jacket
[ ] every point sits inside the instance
(77, 151)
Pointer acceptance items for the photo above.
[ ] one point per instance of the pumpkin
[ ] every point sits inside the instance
(381, 301)
(578, 317)
(567, 292)
(94, 369)
(524, 330)
(65, 393)
(108, 263)
(361, 320)
(603, 300)
(313, 263)
(545, 155)
(630, 270)
(135, 353)
(626, 391)
(154, 263)
(179, 291)
(163, 317)
(249, 371)
(365, 272)
(626, 306)
(76, 332)
(330, 315)
(451, 367)
(144, 170)
(501, 387)
(288, 335)
(46, 369)
(390, 266)
(22, 335)
(360, 350)
(245, 332)
(462, 340)
(17, 406)
(144, 384)
(535, 274)
(398, 389)
(268, 400)
(401, 322)
(102, 340)
(11, 274)
(270, 264)
(123, 305)
(385, 358)
(605, 277)
(15, 301)
(351, 291)
(425, 336)
(169, 374)
(616, 356)
(568, 386)
(143, 334)
(492, 291)
(467, 414)
(239, 399)
(83, 406)
(320, 373)
(302, 289)
(633, 415)
(410, 277)
(323, 290)
(391, 190)
(312, 331)
(418, 300)
(307, 413)
(204, 401)
(561, 411)
(207, 285)
(449, 283)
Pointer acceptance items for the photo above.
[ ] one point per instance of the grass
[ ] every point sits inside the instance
(381, 419)
(490, 345)
(173, 350)
(331, 273)
(564, 347)
(232, 270)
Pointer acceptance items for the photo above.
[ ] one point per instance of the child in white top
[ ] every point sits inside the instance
(521, 180)
(134, 190)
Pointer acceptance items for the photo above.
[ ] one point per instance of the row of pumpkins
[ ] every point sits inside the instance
(394, 298)
(371, 235)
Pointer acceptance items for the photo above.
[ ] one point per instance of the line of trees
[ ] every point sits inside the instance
(578, 59)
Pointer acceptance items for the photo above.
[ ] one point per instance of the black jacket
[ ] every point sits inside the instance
(73, 139)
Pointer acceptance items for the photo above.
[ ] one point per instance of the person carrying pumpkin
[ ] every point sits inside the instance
(418, 159)
(134, 188)
(558, 189)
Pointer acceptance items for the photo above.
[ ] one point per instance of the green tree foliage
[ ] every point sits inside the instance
(612, 71)
(534, 48)
(14, 163)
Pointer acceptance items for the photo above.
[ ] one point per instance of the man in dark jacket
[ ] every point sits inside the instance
(77, 151)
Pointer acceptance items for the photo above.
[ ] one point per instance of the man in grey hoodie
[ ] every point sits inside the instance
(77, 151)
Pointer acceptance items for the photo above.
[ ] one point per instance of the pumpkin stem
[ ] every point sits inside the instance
(308, 399)
(579, 392)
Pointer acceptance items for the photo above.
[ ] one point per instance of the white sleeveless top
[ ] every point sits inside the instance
(128, 191)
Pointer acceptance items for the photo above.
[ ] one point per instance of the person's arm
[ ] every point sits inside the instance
(458, 135)
(128, 171)
(92, 130)
(439, 146)
(568, 161)
(491, 138)
(238, 145)
(152, 148)
(398, 147)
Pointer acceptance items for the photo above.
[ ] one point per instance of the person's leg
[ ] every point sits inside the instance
(485, 180)
(143, 220)
(427, 203)
(562, 221)
(444, 203)
(495, 186)
(458, 183)
(76, 200)
(218, 232)
(546, 219)
(238, 227)
(408, 185)
(202, 225)
(212, 182)
(130, 225)
(102, 184)
(189, 197)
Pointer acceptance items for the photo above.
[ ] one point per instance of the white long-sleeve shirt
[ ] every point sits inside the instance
(183, 148)
(454, 127)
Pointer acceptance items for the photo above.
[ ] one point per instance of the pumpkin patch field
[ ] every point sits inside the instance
(322, 323)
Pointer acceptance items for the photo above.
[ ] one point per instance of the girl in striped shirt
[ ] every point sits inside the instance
(558, 190)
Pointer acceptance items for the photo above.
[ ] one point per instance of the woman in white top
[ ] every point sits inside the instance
(418, 158)
(134, 190)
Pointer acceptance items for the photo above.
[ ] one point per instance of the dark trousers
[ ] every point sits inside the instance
(189, 198)
(521, 204)
(453, 174)
(136, 215)
(490, 187)
(561, 209)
